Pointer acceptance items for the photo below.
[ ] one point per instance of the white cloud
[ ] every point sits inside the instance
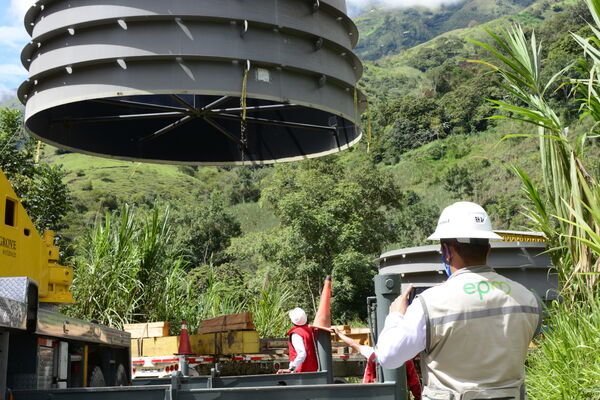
(18, 8)
(13, 37)
(11, 76)
(401, 3)
(11, 70)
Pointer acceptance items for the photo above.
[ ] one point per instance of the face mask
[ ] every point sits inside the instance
(446, 266)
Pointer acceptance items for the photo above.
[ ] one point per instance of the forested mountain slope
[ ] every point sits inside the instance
(388, 31)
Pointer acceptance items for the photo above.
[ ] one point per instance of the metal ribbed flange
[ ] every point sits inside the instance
(193, 82)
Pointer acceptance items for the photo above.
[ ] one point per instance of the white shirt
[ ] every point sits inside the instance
(298, 344)
(367, 351)
(402, 337)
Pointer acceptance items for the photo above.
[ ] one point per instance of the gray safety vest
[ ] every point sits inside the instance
(479, 327)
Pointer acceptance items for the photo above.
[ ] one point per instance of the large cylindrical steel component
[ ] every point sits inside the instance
(524, 262)
(193, 82)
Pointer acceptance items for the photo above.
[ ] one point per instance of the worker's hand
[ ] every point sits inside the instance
(284, 371)
(401, 303)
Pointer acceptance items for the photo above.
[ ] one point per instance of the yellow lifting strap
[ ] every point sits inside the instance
(243, 99)
(369, 128)
(38, 153)
(356, 116)
(244, 106)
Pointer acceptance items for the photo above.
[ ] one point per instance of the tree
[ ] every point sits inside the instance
(333, 221)
(411, 122)
(48, 200)
(39, 185)
(16, 150)
(415, 221)
(245, 186)
(206, 231)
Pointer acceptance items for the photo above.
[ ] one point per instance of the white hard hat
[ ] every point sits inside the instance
(298, 316)
(464, 220)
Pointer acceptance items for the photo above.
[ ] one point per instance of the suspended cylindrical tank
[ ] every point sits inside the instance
(193, 82)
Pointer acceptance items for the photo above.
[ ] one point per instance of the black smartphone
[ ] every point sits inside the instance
(415, 292)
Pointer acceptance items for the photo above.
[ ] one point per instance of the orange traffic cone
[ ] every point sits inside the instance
(185, 348)
(323, 317)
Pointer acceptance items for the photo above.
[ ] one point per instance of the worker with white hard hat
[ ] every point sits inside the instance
(473, 331)
(301, 343)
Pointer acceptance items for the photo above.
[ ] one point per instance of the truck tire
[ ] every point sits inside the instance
(96, 378)
(121, 376)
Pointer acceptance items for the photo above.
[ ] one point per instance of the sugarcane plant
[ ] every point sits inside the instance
(567, 206)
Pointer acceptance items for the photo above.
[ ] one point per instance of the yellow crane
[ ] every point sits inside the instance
(24, 252)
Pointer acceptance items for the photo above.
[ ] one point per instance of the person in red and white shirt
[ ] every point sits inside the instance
(301, 343)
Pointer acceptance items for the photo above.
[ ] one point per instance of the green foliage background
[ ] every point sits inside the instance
(164, 242)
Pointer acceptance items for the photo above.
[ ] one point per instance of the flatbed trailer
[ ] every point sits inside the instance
(344, 366)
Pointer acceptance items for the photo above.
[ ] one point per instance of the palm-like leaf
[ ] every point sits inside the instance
(568, 211)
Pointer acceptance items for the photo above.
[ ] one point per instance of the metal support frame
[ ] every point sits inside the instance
(387, 288)
(188, 112)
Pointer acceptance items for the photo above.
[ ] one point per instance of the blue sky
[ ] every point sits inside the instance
(13, 37)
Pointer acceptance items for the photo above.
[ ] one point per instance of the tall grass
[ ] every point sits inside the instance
(128, 269)
(269, 309)
(125, 271)
(566, 363)
(105, 284)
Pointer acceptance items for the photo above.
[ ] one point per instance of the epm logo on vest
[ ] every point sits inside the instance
(482, 288)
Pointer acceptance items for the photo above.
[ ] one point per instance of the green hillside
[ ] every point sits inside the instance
(389, 31)
(100, 184)
(403, 71)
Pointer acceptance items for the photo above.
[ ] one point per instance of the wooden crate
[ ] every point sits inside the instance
(241, 342)
(204, 344)
(136, 347)
(343, 328)
(226, 343)
(224, 323)
(160, 346)
(148, 330)
(341, 351)
(270, 345)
